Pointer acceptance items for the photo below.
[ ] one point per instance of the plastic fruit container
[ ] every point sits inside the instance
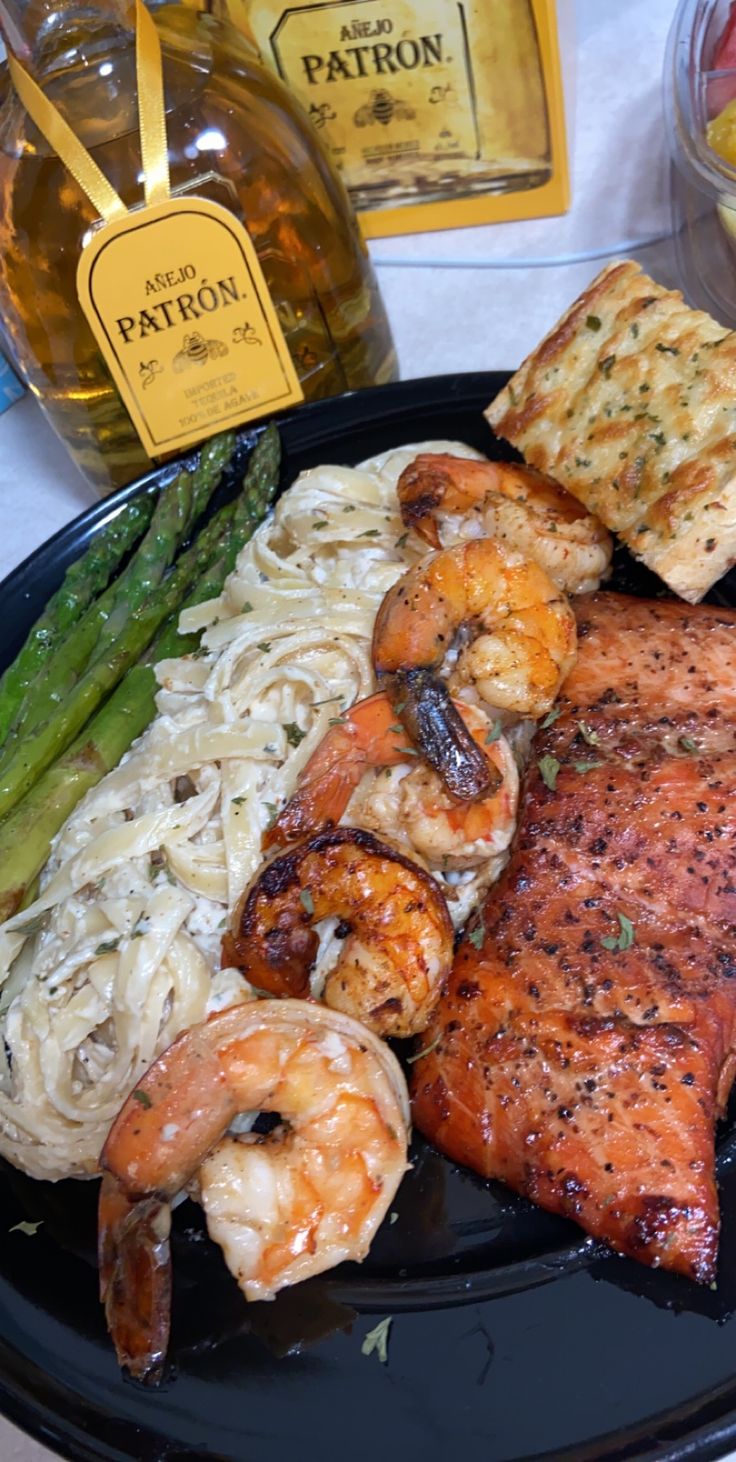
(700, 111)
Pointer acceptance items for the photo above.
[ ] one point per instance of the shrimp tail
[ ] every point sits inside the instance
(135, 1277)
(434, 723)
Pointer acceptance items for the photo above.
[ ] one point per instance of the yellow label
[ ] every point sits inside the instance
(386, 81)
(176, 299)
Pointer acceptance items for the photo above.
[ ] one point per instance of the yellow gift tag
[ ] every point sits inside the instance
(173, 291)
(177, 302)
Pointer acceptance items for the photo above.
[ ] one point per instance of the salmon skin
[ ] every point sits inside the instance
(585, 1043)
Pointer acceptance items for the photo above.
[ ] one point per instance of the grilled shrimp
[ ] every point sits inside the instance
(459, 498)
(283, 1207)
(523, 645)
(445, 834)
(394, 932)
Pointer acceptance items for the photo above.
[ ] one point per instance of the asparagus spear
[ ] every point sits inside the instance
(177, 509)
(26, 833)
(82, 582)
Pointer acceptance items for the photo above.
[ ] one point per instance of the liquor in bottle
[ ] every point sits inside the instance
(235, 137)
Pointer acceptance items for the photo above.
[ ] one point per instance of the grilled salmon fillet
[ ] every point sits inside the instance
(585, 1044)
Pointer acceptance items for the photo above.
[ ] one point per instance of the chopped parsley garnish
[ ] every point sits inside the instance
(306, 901)
(143, 1098)
(591, 738)
(424, 1052)
(237, 801)
(593, 322)
(392, 1218)
(377, 1339)
(273, 813)
(477, 935)
(606, 365)
(549, 767)
(24, 1227)
(667, 349)
(625, 937)
(246, 608)
(337, 721)
(370, 533)
(294, 733)
(494, 733)
(264, 645)
(586, 766)
(349, 508)
(401, 542)
(687, 744)
(107, 946)
(550, 719)
(321, 524)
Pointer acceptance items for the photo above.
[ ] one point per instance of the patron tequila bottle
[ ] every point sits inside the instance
(236, 137)
(420, 100)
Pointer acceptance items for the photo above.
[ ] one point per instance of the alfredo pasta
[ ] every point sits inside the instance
(121, 951)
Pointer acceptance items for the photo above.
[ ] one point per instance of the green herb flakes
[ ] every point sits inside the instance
(143, 1098)
(322, 524)
(24, 1227)
(606, 365)
(593, 322)
(370, 533)
(687, 744)
(625, 937)
(294, 733)
(586, 766)
(107, 946)
(273, 813)
(549, 767)
(377, 1339)
(591, 738)
(237, 801)
(264, 645)
(306, 901)
(246, 608)
(667, 349)
(550, 719)
(477, 935)
(401, 542)
(494, 733)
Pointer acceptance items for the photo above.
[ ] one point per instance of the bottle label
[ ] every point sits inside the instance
(177, 301)
(389, 83)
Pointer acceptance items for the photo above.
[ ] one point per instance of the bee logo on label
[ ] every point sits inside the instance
(383, 108)
(197, 351)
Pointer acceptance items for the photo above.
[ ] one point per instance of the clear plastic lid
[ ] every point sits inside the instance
(700, 109)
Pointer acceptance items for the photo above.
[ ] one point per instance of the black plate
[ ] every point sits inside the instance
(513, 1336)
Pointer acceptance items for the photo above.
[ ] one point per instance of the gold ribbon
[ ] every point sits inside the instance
(151, 122)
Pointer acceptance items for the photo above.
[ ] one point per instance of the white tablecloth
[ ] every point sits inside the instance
(471, 300)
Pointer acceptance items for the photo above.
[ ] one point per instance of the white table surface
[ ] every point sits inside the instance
(477, 299)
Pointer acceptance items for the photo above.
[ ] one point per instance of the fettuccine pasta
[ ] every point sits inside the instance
(121, 950)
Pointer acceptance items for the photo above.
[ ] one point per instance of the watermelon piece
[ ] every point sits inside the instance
(722, 90)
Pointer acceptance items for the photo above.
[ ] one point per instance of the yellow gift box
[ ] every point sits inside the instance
(438, 113)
